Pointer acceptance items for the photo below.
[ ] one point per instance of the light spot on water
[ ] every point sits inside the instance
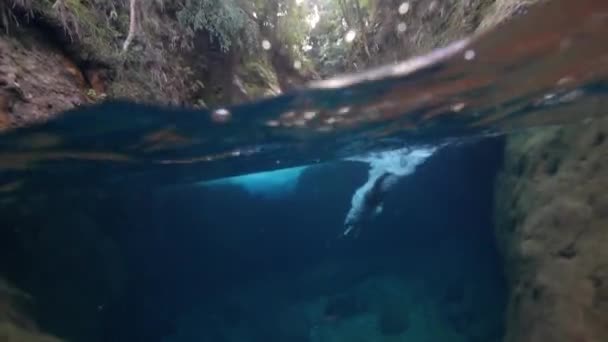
(350, 36)
(255, 15)
(297, 65)
(289, 115)
(549, 96)
(343, 110)
(404, 8)
(272, 123)
(565, 80)
(458, 106)
(402, 27)
(333, 120)
(310, 115)
(236, 153)
(266, 44)
(221, 115)
(469, 55)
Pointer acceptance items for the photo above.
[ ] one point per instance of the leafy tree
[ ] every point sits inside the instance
(224, 20)
(329, 49)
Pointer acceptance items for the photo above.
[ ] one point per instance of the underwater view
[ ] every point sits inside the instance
(303, 170)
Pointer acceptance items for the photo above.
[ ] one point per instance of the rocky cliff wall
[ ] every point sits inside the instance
(551, 209)
(58, 55)
(552, 225)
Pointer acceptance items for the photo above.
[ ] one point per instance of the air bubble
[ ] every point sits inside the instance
(404, 8)
(350, 36)
(272, 123)
(221, 115)
(310, 115)
(458, 107)
(469, 55)
(343, 110)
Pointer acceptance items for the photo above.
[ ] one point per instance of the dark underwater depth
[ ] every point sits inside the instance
(199, 263)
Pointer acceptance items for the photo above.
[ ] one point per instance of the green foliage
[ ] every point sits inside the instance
(329, 50)
(8, 19)
(87, 23)
(223, 19)
(258, 78)
(286, 23)
(292, 28)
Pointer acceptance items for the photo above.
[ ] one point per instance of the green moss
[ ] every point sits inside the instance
(224, 20)
(259, 78)
(94, 96)
(86, 25)
(501, 10)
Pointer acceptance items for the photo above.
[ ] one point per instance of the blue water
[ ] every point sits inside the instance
(130, 222)
(223, 263)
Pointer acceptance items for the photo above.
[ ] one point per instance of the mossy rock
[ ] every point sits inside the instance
(259, 79)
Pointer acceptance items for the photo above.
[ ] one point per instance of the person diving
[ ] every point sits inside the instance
(387, 168)
(368, 202)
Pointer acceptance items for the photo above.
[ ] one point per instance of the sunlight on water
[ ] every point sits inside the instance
(273, 184)
(476, 86)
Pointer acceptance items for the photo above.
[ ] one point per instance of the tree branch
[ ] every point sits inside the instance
(132, 26)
